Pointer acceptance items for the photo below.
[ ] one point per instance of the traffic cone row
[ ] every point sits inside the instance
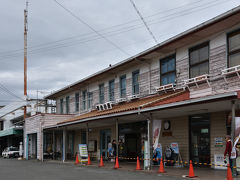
(138, 167)
(77, 160)
(89, 160)
(229, 173)
(101, 162)
(116, 163)
(161, 168)
(191, 172)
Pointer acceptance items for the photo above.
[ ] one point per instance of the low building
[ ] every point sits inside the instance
(184, 90)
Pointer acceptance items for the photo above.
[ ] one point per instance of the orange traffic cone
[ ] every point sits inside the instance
(229, 173)
(161, 168)
(116, 163)
(101, 162)
(76, 161)
(138, 167)
(89, 160)
(191, 172)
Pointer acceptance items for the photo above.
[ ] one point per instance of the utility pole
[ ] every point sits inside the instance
(25, 57)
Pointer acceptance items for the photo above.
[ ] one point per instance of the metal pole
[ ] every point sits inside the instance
(87, 135)
(64, 146)
(25, 56)
(117, 137)
(53, 148)
(233, 135)
(149, 162)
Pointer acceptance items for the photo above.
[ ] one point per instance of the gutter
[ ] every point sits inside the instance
(139, 110)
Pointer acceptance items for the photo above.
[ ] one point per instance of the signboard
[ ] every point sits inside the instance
(218, 142)
(219, 161)
(92, 146)
(83, 152)
(175, 147)
(156, 132)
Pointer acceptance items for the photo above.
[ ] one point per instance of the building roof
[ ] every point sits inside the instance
(135, 104)
(214, 25)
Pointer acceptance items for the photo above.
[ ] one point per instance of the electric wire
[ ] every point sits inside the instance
(90, 27)
(130, 28)
(144, 22)
(9, 92)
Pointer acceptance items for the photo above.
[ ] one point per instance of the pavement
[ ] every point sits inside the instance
(11, 169)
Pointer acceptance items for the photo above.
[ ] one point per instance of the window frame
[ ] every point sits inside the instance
(111, 91)
(61, 106)
(67, 104)
(231, 34)
(120, 86)
(169, 72)
(194, 48)
(137, 72)
(84, 100)
(90, 100)
(77, 98)
(101, 96)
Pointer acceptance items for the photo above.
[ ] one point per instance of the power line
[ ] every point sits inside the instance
(144, 22)
(9, 92)
(90, 27)
(130, 28)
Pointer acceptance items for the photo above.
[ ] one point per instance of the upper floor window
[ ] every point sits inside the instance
(168, 70)
(84, 100)
(123, 86)
(101, 93)
(111, 90)
(76, 102)
(90, 100)
(135, 82)
(67, 105)
(61, 106)
(199, 60)
(234, 49)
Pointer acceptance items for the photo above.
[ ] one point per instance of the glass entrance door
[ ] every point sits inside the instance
(105, 138)
(200, 138)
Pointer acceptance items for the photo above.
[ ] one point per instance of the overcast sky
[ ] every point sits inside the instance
(62, 50)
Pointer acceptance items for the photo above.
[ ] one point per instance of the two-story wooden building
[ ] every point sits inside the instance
(189, 83)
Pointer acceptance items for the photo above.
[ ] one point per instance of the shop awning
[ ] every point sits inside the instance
(11, 131)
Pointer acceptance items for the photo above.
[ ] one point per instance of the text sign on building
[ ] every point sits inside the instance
(83, 152)
(218, 142)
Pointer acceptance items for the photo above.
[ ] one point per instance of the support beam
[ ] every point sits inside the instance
(117, 141)
(64, 145)
(54, 144)
(149, 148)
(233, 135)
(87, 131)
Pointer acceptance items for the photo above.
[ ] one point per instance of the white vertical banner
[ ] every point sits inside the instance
(156, 132)
(237, 126)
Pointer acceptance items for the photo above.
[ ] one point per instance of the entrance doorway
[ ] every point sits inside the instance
(200, 138)
(105, 138)
(133, 145)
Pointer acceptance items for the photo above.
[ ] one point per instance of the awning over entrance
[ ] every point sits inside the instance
(12, 131)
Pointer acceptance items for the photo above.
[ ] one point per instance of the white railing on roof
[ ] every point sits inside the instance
(231, 70)
(165, 88)
(197, 80)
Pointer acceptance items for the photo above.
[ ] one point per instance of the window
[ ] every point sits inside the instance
(67, 105)
(90, 100)
(84, 100)
(199, 58)
(76, 102)
(61, 106)
(1, 125)
(111, 90)
(135, 82)
(123, 86)
(234, 49)
(101, 93)
(168, 70)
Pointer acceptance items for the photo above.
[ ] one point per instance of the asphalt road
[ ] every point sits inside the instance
(12, 169)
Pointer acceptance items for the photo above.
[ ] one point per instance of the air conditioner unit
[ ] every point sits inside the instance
(120, 100)
(100, 107)
(108, 105)
(135, 96)
(165, 87)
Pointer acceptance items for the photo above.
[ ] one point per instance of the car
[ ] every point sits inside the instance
(10, 152)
